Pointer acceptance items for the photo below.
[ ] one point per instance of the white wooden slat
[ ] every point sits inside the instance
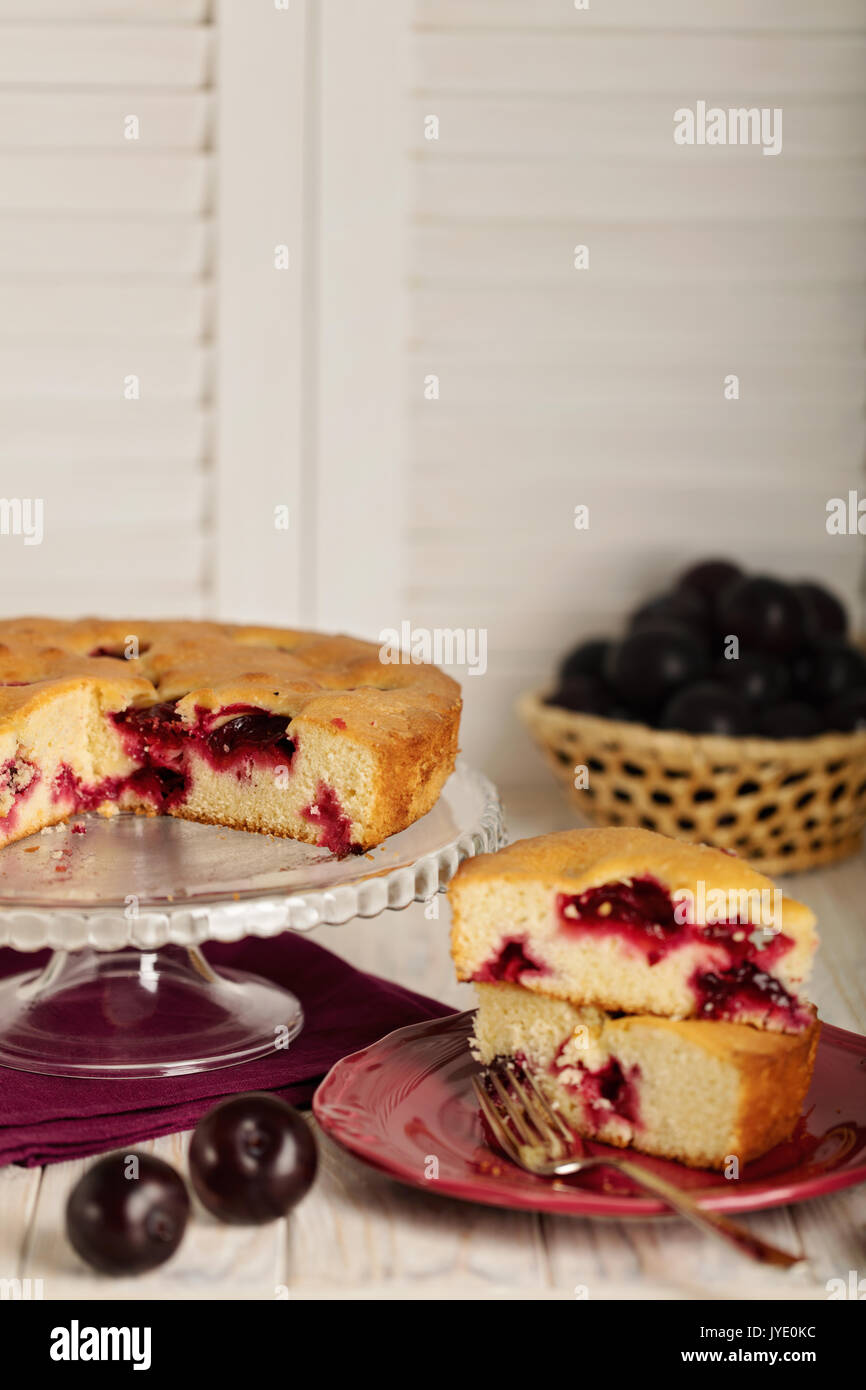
(171, 555)
(596, 351)
(526, 637)
(70, 55)
(759, 67)
(640, 193)
(43, 370)
(393, 1238)
(109, 11)
(471, 319)
(360, 308)
(609, 454)
(591, 126)
(69, 591)
(674, 253)
(492, 574)
(124, 183)
(615, 458)
(129, 430)
(105, 246)
(95, 120)
(582, 595)
(762, 16)
(541, 386)
(164, 492)
(265, 342)
(665, 408)
(93, 309)
(19, 1194)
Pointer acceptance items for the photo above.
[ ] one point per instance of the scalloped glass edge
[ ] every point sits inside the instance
(31, 928)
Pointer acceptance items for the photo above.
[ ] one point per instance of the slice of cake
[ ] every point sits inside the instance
(268, 729)
(635, 922)
(701, 1092)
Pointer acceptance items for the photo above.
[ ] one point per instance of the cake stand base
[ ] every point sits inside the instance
(130, 1013)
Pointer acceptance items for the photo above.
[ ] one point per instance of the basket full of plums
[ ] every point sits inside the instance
(732, 712)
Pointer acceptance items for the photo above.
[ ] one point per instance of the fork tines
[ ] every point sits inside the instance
(519, 1113)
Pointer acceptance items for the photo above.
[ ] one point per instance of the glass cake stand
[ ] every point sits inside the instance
(126, 905)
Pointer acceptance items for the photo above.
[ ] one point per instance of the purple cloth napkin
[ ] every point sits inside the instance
(46, 1119)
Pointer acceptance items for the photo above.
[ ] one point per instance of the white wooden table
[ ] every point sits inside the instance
(360, 1235)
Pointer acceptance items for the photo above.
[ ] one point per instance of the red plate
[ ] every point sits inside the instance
(408, 1099)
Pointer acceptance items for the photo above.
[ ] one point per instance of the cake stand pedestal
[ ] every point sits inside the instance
(126, 905)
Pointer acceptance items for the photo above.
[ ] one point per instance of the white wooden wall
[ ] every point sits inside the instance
(263, 126)
(411, 257)
(605, 386)
(106, 272)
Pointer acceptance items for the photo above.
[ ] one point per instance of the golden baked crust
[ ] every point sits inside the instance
(571, 861)
(774, 1069)
(401, 720)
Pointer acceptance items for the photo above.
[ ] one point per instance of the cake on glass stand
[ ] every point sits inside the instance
(125, 905)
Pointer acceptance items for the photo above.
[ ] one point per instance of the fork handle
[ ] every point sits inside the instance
(711, 1221)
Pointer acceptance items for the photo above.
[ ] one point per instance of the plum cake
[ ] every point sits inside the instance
(693, 1090)
(635, 922)
(650, 987)
(267, 729)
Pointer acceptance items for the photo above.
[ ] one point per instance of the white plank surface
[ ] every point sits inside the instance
(359, 1235)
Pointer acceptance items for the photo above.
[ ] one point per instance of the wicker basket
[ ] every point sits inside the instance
(788, 804)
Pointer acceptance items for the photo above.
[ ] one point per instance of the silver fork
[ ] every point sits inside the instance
(541, 1142)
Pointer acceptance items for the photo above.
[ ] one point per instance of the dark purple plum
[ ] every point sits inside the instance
(769, 617)
(760, 680)
(651, 663)
(826, 669)
(708, 579)
(683, 606)
(825, 613)
(127, 1214)
(585, 660)
(793, 719)
(707, 707)
(583, 694)
(252, 1158)
(848, 713)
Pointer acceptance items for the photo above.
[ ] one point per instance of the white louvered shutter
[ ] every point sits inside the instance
(106, 261)
(604, 386)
